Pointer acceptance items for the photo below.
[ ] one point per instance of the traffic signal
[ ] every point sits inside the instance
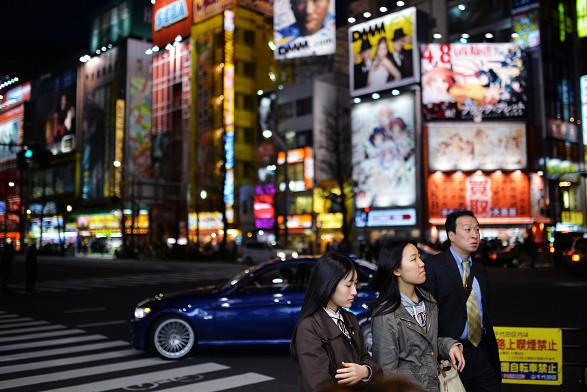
(21, 160)
(33, 153)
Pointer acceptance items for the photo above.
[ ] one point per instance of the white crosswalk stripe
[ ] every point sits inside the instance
(75, 362)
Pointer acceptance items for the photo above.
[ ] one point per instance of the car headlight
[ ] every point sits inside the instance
(294, 254)
(281, 255)
(141, 312)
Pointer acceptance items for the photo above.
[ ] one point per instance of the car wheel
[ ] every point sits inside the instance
(365, 324)
(173, 337)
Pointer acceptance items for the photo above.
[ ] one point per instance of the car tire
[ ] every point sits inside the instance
(173, 337)
(365, 324)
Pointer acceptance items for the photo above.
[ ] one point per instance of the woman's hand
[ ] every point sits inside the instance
(456, 354)
(351, 373)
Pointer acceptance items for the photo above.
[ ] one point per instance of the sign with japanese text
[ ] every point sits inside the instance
(563, 130)
(530, 355)
(498, 195)
(383, 53)
(471, 146)
(527, 28)
(473, 81)
(392, 217)
(203, 9)
(303, 29)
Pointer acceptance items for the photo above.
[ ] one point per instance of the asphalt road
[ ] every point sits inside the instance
(92, 299)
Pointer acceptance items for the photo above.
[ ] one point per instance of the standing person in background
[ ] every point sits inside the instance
(6, 263)
(31, 267)
(327, 343)
(405, 319)
(460, 286)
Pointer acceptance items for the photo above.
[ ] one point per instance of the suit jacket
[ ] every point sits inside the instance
(444, 281)
(318, 334)
(406, 67)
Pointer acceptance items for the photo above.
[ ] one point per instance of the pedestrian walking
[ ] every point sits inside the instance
(405, 319)
(31, 267)
(460, 285)
(327, 344)
(6, 265)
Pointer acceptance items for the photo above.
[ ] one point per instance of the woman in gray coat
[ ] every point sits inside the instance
(405, 319)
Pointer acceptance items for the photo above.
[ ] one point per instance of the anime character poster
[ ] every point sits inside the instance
(139, 127)
(471, 146)
(473, 81)
(384, 163)
(383, 53)
(302, 29)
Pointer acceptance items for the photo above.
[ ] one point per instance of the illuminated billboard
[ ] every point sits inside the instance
(504, 196)
(203, 9)
(170, 19)
(11, 123)
(301, 30)
(471, 146)
(383, 53)
(473, 81)
(56, 110)
(384, 164)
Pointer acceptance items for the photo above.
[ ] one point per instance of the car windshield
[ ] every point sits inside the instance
(231, 282)
(266, 274)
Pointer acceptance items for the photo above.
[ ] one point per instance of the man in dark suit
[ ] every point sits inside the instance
(362, 68)
(401, 57)
(459, 315)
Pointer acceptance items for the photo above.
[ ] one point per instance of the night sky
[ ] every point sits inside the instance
(36, 33)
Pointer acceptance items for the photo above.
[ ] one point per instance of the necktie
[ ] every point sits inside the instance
(473, 314)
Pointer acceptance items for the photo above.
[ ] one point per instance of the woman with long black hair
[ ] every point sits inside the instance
(327, 344)
(405, 319)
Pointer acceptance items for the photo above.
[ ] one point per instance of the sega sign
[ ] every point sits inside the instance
(170, 14)
(171, 18)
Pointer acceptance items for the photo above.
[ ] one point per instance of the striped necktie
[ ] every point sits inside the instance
(473, 314)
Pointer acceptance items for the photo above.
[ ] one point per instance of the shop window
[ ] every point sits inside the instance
(285, 110)
(304, 106)
(249, 37)
(304, 138)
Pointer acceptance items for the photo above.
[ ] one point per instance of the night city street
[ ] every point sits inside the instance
(171, 171)
(72, 334)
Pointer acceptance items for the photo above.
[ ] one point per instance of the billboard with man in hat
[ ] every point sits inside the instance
(383, 53)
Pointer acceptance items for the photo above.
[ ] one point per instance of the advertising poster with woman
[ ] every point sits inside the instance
(384, 163)
(473, 81)
(471, 146)
(383, 53)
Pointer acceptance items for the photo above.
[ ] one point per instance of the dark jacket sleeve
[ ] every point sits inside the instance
(312, 359)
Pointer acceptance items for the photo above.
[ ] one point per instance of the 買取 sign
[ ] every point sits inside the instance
(530, 355)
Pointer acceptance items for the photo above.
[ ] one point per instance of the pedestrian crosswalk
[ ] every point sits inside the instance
(153, 278)
(37, 357)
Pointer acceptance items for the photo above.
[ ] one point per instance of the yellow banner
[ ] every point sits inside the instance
(530, 355)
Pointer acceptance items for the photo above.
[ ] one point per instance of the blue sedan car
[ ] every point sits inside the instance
(259, 306)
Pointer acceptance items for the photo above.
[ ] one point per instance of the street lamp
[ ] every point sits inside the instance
(267, 134)
(203, 196)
